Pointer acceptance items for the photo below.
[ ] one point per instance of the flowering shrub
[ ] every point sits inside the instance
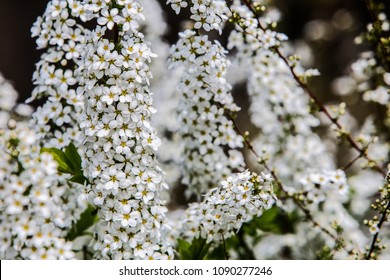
(136, 151)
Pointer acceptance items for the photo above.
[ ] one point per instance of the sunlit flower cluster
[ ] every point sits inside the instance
(56, 122)
(207, 14)
(235, 201)
(119, 141)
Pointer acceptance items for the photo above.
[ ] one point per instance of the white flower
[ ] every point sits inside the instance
(109, 17)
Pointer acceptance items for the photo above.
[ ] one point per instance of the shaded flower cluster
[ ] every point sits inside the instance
(286, 124)
(319, 184)
(284, 119)
(33, 218)
(164, 86)
(207, 131)
(55, 123)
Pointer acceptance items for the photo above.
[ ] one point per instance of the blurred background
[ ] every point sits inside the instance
(327, 26)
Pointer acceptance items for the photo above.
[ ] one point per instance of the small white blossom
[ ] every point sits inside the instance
(235, 201)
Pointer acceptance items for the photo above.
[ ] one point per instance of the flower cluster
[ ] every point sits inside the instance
(260, 34)
(206, 99)
(32, 216)
(54, 78)
(94, 80)
(119, 141)
(224, 210)
(362, 73)
(56, 122)
(369, 77)
(207, 14)
(318, 185)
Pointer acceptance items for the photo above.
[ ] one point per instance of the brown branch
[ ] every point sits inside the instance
(349, 164)
(360, 155)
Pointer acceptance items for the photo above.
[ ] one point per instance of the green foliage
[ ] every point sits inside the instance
(197, 250)
(69, 161)
(274, 220)
(87, 219)
(221, 252)
(79, 178)
(61, 159)
(74, 158)
(217, 253)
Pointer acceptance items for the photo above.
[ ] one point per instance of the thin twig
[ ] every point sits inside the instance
(360, 155)
(350, 163)
(376, 235)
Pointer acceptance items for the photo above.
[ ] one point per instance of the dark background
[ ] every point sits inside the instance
(18, 54)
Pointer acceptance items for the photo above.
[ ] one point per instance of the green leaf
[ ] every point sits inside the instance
(79, 179)
(274, 220)
(68, 161)
(197, 250)
(183, 248)
(64, 165)
(87, 219)
(217, 254)
(74, 158)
